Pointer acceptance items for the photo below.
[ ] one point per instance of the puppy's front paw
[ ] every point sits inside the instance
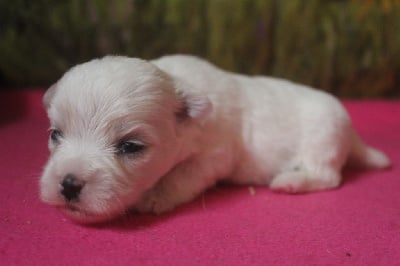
(154, 201)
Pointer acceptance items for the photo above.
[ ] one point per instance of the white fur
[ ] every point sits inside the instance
(199, 124)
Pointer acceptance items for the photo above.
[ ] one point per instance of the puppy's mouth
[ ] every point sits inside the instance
(82, 216)
(77, 214)
(73, 210)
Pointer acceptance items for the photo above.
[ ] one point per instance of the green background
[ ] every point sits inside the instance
(350, 48)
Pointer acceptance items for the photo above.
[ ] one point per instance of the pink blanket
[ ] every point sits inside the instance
(357, 224)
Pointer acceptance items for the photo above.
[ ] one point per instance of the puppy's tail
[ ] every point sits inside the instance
(363, 156)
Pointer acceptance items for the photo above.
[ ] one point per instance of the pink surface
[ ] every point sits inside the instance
(358, 224)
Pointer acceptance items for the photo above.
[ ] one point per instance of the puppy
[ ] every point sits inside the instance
(150, 135)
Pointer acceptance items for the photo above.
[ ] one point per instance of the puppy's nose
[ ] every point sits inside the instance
(71, 187)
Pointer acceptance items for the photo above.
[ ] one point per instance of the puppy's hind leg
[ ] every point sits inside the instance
(303, 180)
(319, 160)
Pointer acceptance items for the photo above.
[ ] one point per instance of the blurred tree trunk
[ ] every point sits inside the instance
(350, 48)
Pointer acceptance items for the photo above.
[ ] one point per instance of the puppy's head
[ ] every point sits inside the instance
(116, 129)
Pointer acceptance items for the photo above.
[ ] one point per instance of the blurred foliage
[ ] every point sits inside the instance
(350, 48)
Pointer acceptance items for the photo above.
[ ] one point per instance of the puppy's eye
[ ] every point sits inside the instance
(55, 136)
(129, 147)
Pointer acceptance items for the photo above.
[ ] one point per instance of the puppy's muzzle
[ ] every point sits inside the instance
(71, 188)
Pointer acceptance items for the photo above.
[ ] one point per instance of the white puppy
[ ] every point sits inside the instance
(133, 134)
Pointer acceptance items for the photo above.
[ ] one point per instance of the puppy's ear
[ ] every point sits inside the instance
(193, 105)
(48, 96)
